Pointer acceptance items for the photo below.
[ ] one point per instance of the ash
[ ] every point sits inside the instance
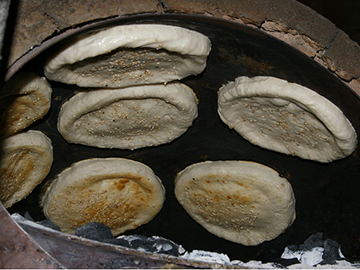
(153, 244)
(316, 252)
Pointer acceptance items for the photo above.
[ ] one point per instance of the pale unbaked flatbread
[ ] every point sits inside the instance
(286, 117)
(129, 118)
(243, 202)
(23, 100)
(120, 193)
(130, 55)
(25, 161)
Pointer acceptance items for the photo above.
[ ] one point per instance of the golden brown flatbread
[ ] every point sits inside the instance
(25, 160)
(23, 100)
(120, 193)
(243, 202)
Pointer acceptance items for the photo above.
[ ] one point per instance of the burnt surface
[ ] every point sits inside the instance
(95, 231)
(327, 198)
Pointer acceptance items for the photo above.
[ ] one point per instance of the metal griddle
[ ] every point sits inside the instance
(327, 195)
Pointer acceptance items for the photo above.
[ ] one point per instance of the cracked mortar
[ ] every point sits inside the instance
(329, 56)
(287, 20)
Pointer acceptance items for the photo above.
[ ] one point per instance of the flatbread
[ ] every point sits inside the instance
(25, 160)
(240, 201)
(287, 118)
(120, 193)
(23, 100)
(129, 118)
(130, 55)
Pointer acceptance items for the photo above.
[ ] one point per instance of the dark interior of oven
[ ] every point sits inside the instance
(326, 195)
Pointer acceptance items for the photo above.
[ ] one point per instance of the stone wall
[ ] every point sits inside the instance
(288, 20)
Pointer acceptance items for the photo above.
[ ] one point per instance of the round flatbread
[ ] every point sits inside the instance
(129, 118)
(25, 161)
(23, 100)
(286, 117)
(240, 201)
(130, 55)
(120, 193)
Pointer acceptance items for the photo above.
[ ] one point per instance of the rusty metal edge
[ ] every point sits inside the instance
(77, 252)
(19, 250)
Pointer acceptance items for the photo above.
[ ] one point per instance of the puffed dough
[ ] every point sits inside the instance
(128, 55)
(120, 193)
(129, 118)
(25, 160)
(287, 118)
(240, 201)
(23, 100)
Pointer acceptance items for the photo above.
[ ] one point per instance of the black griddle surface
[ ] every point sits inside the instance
(327, 195)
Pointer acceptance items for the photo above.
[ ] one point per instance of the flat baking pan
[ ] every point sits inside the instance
(327, 195)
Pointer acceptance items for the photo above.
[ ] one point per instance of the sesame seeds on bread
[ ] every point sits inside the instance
(129, 55)
(24, 99)
(130, 118)
(120, 193)
(287, 118)
(25, 160)
(243, 202)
